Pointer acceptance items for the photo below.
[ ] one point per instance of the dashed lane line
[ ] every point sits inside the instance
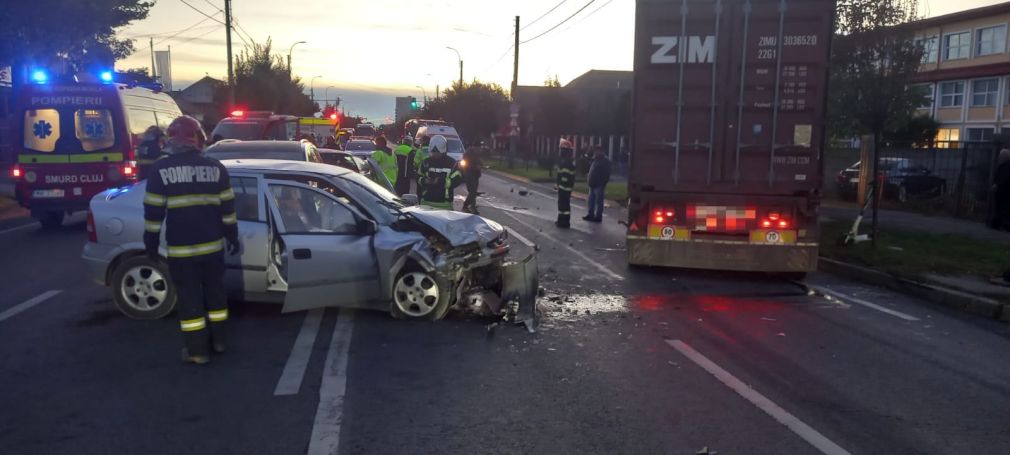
(325, 437)
(812, 436)
(17, 309)
(18, 228)
(600, 267)
(294, 370)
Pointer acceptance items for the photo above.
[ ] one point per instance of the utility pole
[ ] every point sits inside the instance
(231, 70)
(154, 72)
(513, 136)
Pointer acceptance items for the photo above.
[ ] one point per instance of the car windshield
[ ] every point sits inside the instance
(357, 146)
(245, 131)
(339, 159)
(222, 155)
(455, 146)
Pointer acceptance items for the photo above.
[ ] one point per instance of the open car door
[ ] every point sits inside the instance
(326, 248)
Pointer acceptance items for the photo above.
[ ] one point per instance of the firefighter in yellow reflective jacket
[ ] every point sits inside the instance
(405, 155)
(191, 194)
(421, 153)
(384, 157)
(439, 175)
(565, 184)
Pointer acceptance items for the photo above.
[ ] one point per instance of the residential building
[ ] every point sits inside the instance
(965, 72)
(197, 100)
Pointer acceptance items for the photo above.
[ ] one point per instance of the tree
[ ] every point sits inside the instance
(477, 110)
(261, 83)
(918, 130)
(874, 57)
(82, 33)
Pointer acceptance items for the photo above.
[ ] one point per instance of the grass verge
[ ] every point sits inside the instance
(616, 191)
(910, 252)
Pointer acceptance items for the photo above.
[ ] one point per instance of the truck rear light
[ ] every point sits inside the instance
(774, 216)
(766, 223)
(92, 232)
(16, 172)
(783, 224)
(660, 216)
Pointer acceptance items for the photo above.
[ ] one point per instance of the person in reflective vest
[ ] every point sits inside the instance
(565, 184)
(419, 156)
(439, 175)
(191, 195)
(149, 150)
(405, 154)
(383, 156)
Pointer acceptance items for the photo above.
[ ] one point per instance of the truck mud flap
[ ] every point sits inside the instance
(520, 283)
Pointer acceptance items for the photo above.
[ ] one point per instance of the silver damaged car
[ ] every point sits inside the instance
(315, 235)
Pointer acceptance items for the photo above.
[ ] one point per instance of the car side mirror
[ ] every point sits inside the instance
(367, 227)
(410, 199)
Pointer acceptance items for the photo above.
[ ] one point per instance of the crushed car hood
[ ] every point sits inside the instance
(458, 227)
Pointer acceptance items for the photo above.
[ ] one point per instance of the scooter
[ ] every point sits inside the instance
(853, 236)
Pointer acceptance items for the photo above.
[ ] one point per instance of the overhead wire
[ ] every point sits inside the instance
(184, 31)
(587, 16)
(184, 2)
(543, 15)
(560, 23)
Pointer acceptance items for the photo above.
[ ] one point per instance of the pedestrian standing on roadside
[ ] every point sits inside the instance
(565, 183)
(470, 165)
(599, 176)
(191, 195)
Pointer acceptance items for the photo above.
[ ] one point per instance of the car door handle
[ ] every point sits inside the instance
(302, 253)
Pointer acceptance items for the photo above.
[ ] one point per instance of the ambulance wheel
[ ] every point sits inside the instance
(142, 288)
(418, 294)
(49, 220)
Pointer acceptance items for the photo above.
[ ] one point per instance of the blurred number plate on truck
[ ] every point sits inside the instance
(773, 237)
(47, 193)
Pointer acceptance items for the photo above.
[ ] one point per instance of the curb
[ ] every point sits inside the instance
(609, 203)
(951, 298)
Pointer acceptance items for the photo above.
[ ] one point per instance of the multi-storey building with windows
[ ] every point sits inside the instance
(966, 72)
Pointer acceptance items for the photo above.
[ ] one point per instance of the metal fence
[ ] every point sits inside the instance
(542, 150)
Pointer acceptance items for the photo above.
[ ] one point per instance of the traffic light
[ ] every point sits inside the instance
(413, 103)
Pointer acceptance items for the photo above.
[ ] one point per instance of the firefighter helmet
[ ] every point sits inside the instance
(187, 130)
(438, 144)
(566, 144)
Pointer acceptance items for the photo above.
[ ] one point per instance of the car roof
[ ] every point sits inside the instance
(434, 130)
(238, 146)
(284, 165)
(333, 152)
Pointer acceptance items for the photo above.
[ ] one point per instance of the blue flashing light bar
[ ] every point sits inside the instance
(40, 77)
(105, 76)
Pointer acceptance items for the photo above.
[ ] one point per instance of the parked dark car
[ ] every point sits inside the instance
(903, 180)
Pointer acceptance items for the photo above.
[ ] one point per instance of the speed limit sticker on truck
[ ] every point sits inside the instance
(668, 232)
(772, 237)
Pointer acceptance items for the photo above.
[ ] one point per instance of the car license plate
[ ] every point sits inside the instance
(40, 194)
(854, 180)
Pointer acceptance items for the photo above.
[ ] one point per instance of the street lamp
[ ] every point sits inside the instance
(327, 94)
(290, 50)
(425, 92)
(460, 65)
(312, 91)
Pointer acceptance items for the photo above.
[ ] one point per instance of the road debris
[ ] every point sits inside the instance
(523, 191)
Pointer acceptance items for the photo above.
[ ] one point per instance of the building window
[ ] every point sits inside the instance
(926, 91)
(952, 94)
(978, 134)
(944, 136)
(990, 40)
(984, 92)
(930, 48)
(956, 45)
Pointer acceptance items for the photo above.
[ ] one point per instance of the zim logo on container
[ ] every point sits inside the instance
(699, 49)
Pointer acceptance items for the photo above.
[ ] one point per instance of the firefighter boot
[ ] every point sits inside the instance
(195, 359)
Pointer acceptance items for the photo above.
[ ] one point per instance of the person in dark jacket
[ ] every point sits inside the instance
(192, 195)
(440, 175)
(149, 150)
(565, 183)
(471, 167)
(599, 176)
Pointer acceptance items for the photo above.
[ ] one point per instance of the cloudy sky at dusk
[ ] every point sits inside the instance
(369, 52)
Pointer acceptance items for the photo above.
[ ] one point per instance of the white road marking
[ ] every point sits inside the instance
(862, 302)
(529, 187)
(780, 415)
(294, 370)
(513, 233)
(600, 267)
(13, 311)
(325, 437)
(22, 227)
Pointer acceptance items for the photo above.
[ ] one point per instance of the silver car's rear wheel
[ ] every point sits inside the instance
(419, 295)
(143, 289)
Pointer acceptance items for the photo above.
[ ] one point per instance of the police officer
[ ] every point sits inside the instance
(192, 195)
(383, 156)
(470, 166)
(439, 175)
(405, 154)
(149, 150)
(565, 183)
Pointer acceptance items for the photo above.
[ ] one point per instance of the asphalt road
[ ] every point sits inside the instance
(625, 361)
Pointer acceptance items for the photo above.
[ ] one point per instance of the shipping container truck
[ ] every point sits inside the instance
(728, 131)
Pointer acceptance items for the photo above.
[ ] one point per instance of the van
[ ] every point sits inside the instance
(456, 149)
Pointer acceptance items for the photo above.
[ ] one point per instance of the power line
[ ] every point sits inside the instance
(560, 23)
(201, 12)
(184, 31)
(496, 62)
(213, 6)
(242, 29)
(587, 16)
(195, 37)
(543, 15)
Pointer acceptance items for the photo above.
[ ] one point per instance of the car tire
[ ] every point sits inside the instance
(420, 295)
(49, 220)
(143, 289)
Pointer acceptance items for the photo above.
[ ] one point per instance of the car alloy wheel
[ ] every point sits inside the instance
(144, 288)
(416, 294)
